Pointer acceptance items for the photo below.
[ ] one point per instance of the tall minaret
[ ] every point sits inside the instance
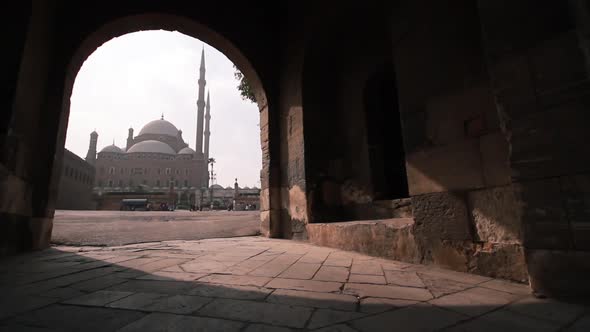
(207, 134)
(91, 154)
(201, 104)
(129, 139)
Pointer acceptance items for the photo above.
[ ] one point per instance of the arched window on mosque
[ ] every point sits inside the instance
(110, 183)
(112, 170)
(168, 171)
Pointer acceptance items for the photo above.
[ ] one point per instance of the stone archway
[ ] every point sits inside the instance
(52, 56)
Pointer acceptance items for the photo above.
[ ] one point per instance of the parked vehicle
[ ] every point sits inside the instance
(134, 204)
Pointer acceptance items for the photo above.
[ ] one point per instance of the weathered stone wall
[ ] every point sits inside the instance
(75, 184)
(456, 154)
(538, 63)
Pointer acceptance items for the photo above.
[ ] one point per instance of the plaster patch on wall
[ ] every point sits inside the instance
(297, 204)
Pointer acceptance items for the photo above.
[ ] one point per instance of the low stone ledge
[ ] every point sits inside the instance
(389, 238)
(395, 239)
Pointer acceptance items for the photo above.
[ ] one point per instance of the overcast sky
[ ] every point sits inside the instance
(133, 79)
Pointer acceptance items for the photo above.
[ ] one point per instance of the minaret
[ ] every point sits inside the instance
(129, 139)
(91, 155)
(207, 134)
(201, 104)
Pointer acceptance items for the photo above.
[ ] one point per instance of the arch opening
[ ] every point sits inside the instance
(202, 195)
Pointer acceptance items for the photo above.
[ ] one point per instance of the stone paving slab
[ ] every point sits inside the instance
(167, 322)
(259, 284)
(314, 299)
(259, 312)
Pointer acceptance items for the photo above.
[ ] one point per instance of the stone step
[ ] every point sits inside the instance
(390, 238)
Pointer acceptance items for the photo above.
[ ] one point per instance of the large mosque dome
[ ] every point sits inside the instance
(112, 148)
(151, 146)
(159, 127)
(187, 150)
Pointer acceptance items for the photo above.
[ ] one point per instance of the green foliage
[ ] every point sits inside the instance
(245, 89)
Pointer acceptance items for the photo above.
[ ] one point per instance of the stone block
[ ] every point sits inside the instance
(453, 116)
(495, 159)
(576, 196)
(441, 216)
(16, 195)
(445, 168)
(497, 215)
(545, 224)
(547, 142)
(506, 261)
(565, 50)
(391, 238)
(558, 273)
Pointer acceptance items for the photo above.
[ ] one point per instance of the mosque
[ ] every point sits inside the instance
(157, 159)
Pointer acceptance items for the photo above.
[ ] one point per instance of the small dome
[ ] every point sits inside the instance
(111, 148)
(216, 186)
(186, 150)
(159, 127)
(151, 146)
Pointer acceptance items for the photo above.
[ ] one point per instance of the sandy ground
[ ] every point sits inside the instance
(113, 228)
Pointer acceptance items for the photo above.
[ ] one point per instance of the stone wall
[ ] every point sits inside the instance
(75, 184)
(538, 63)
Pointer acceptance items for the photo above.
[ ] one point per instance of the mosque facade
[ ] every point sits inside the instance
(157, 159)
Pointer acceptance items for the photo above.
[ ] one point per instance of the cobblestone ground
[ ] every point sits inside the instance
(259, 284)
(113, 228)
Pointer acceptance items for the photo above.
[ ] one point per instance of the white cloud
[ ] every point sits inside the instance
(134, 78)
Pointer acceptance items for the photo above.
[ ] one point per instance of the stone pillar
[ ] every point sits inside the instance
(28, 159)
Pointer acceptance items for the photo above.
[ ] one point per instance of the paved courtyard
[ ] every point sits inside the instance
(109, 228)
(259, 284)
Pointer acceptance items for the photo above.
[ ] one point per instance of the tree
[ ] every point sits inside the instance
(244, 87)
